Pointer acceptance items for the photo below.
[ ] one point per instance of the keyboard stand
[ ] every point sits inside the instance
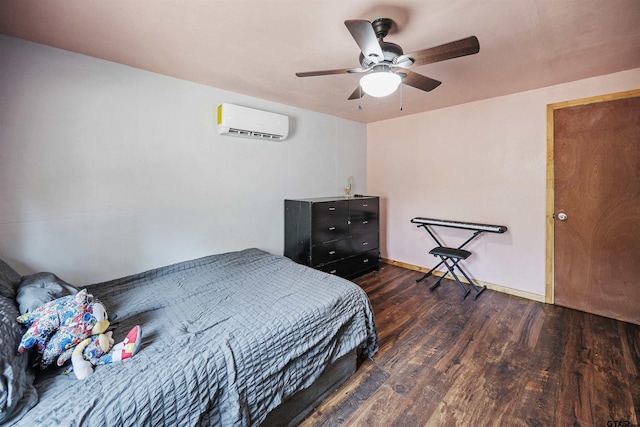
(451, 257)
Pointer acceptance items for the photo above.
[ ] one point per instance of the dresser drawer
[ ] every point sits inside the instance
(365, 208)
(359, 226)
(363, 263)
(339, 268)
(354, 265)
(329, 213)
(328, 232)
(330, 252)
(364, 242)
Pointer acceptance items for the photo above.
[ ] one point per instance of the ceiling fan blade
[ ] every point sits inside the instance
(329, 72)
(419, 81)
(357, 94)
(456, 49)
(364, 35)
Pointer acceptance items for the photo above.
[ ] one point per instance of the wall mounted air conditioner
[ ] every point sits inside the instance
(234, 120)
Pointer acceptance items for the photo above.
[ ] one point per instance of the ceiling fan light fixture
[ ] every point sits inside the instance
(380, 82)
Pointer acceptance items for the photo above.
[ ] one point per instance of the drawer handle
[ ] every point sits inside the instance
(365, 243)
(333, 271)
(365, 260)
(365, 222)
(332, 252)
(331, 228)
(364, 205)
(332, 209)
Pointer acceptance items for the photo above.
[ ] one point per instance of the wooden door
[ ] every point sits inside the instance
(596, 221)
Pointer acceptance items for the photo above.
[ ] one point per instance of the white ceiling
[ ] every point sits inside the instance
(254, 47)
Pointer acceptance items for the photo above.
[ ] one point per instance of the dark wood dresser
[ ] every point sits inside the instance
(334, 234)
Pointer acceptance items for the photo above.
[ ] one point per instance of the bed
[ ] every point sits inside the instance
(243, 338)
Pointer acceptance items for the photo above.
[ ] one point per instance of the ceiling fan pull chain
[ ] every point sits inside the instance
(360, 99)
(400, 96)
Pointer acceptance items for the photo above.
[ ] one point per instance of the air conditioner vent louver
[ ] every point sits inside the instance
(249, 134)
(234, 120)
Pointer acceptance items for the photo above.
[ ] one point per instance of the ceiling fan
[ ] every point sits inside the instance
(385, 64)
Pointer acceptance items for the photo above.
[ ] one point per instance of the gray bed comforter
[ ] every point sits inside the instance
(226, 338)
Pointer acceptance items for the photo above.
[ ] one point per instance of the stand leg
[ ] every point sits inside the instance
(451, 268)
(473, 285)
(435, 285)
(428, 273)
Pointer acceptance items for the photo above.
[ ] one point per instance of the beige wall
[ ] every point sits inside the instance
(481, 162)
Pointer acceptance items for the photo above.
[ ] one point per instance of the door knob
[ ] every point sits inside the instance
(562, 216)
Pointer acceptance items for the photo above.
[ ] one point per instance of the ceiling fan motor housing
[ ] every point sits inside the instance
(389, 50)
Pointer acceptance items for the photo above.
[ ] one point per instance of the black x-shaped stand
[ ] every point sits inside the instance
(451, 257)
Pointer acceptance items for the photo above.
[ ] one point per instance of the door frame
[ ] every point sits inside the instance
(550, 250)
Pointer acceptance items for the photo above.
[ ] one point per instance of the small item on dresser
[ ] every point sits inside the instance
(347, 188)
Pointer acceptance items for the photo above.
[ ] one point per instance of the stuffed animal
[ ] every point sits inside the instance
(74, 327)
(95, 351)
(56, 327)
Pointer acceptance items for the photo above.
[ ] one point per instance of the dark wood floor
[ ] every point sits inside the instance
(500, 360)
